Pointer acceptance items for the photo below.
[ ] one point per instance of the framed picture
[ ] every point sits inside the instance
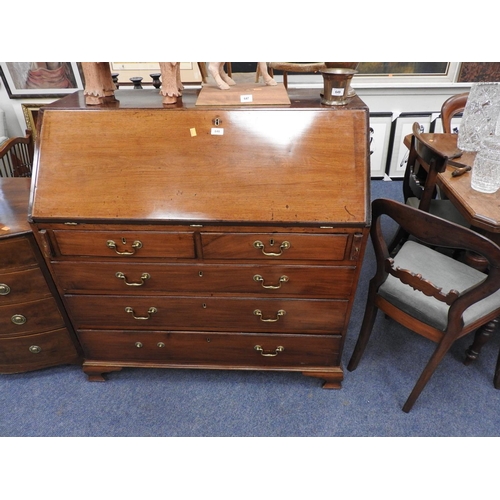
(402, 127)
(380, 134)
(40, 79)
(30, 112)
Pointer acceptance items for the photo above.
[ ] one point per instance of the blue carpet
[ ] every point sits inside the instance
(458, 401)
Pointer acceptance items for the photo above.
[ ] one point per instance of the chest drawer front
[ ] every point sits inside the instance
(30, 317)
(32, 352)
(279, 246)
(22, 286)
(207, 313)
(143, 278)
(248, 350)
(16, 253)
(127, 244)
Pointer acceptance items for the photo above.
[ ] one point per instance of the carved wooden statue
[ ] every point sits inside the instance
(224, 81)
(99, 86)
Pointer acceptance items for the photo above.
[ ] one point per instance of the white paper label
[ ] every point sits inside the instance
(217, 131)
(246, 98)
(337, 92)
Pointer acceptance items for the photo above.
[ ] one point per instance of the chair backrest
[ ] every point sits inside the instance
(436, 232)
(424, 164)
(16, 156)
(452, 106)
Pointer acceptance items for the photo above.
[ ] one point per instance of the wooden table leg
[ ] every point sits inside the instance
(482, 336)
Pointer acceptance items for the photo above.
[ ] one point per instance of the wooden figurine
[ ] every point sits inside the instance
(99, 86)
(224, 81)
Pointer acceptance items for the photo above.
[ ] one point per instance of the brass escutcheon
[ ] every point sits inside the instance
(18, 319)
(284, 246)
(4, 289)
(161, 344)
(35, 349)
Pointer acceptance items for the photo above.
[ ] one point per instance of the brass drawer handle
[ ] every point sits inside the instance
(138, 345)
(151, 310)
(259, 279)
(144, 276)
(135, 245)
(279, 349)
(280, 313)
(284, 246)
(4, 289)
(18, 319)
(35, 349)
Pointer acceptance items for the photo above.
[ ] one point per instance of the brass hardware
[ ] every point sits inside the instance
(138, 345)
(135, 245)
(160, 344)
(279, 349)
(280, 313)
(35, 349)
(4, 289)
(144, 276)
(18, 319)
(216, 121)
(151, 310)
(284, 246)
(200, 274)
(259, 279)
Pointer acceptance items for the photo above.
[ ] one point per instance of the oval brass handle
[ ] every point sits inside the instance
(35, 349)
(151, 310)
(160, 344)
(284, 246)
(279, 349)
(280, 313)
(18, 319)
(138, 345)
(4, 289)
(135, 245)
(260, 280)
(144, 276)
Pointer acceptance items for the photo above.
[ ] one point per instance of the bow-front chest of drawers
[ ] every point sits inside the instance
(204, 237)
(33, 332)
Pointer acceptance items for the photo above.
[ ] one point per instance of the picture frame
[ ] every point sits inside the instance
(401, 127)
(380, 133)
(40, 80)
(30, 112)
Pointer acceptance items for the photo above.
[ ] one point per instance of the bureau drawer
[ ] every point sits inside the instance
(16, 253)
(211, 349)
(32, 352)
(207, 313)
(23, 286)
(110, 277)
(30, 317)
(130, 244)
(274, 246)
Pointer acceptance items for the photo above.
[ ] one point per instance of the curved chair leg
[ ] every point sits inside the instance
(442, 348)
(364, 333)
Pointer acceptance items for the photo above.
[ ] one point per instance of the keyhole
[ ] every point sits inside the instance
(271, 242)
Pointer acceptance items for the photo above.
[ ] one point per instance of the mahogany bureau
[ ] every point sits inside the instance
(214, 237)
(33, 332)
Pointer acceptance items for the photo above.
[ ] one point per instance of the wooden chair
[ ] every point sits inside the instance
(427, 292)
(451, 107)
(16, 156)
(419, 183)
